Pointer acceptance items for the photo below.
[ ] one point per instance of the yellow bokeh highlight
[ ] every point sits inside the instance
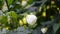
(52, 2)
(6, 28)
(48, 7)
(57, 8)
(44, 14)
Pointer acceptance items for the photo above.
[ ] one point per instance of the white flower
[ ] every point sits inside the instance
(4, 7)
(43, 30)
(31, 19)
(24, 3)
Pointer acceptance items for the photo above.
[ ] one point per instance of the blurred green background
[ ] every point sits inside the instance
(13, 15)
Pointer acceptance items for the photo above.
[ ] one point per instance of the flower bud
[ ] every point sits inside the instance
(44, 30)
(24, 21)
(20, 22)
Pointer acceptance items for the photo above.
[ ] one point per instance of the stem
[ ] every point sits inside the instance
(7, 5)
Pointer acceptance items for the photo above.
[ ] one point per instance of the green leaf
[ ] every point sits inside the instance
(10, 1)
(12, 14)
(56, 27)
(1, 3)
(13, 17)
(3, 19)
(30, 1)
